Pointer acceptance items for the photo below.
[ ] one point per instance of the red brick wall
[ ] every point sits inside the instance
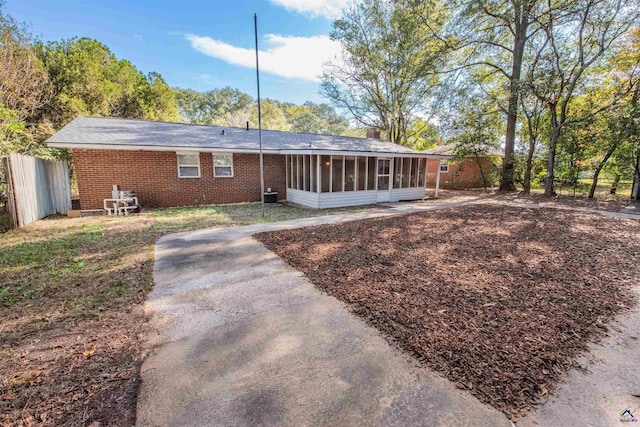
(153, 176)
(463, 173)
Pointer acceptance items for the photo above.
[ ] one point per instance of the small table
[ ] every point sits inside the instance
(120, 206)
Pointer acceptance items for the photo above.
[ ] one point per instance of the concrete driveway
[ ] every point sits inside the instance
(240, 338)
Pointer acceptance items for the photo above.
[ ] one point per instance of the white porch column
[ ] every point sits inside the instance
(319, 180)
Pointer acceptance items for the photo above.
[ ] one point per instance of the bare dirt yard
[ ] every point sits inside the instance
(499, 300)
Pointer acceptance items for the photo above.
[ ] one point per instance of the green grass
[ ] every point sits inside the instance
(171, 220)
(584, 185)
(60, 253)
(28, 267)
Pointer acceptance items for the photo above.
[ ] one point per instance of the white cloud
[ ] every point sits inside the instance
(331, 9)
(285, 56)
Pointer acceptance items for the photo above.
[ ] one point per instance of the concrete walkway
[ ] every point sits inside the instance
(240, 338)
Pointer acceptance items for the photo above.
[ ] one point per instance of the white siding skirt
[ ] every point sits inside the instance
(352, 198)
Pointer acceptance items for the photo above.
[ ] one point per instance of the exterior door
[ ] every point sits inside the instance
(383, 181)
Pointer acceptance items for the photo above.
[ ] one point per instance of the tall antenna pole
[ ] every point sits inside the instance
(255, 25)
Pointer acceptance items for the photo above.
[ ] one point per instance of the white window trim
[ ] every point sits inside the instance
(188, 153)
(213, 159)
(446, 165)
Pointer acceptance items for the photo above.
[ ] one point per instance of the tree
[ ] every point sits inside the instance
(532, 110)
(24, 84)
(11, 132)
(492, 35)
(223, 107)
(574, 153)
(273, 117)
(87, 79)
(159, 100)
(622, 163)
(24, 90)
(576, 39)
(389, 63)
(315, 118)
(628, 61)
(233, 108)
(422, 135)
(621, 144)
(635, 188)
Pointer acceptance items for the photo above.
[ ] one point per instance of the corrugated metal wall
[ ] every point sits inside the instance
(37, 188)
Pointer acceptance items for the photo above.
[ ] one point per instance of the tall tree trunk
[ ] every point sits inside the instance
(594, 182)
(526, 184)
(527, 172)
(596, 172)
(614, 185)
(507, 182)
(635, 190)
(549, 189)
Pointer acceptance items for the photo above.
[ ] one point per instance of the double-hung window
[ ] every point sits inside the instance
(444, 166)
(188, 165)
(223, 165)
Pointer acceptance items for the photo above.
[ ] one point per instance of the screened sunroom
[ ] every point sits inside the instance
(333, 180)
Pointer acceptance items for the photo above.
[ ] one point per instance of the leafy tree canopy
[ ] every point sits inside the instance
(87, 79)
(233, 108)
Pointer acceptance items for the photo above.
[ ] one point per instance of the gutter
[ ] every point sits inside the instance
(123, 147)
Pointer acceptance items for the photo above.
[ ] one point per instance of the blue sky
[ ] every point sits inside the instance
(202, 44)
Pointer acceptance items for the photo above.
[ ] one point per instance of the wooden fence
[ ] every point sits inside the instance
(36, 188)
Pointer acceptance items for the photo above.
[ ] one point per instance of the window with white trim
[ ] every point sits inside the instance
(188, 165)
(444, 166)
(223, 165)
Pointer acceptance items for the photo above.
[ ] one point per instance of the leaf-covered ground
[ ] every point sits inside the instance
(499, 300)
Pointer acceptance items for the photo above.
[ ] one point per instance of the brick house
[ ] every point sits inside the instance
(177, 164)
(459, 173)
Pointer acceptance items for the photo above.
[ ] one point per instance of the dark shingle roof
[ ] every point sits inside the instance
(113, 132)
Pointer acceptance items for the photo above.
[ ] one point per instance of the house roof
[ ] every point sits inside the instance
(446, 150)
(126, 134)
(449, 150)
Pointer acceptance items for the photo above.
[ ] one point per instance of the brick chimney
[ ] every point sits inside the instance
(373, 133)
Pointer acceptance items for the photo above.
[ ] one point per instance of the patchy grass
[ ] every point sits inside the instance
(602, 189)
(602, 201)
(181, 219)
(583, 186)
(70, 309)
(500, 300)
